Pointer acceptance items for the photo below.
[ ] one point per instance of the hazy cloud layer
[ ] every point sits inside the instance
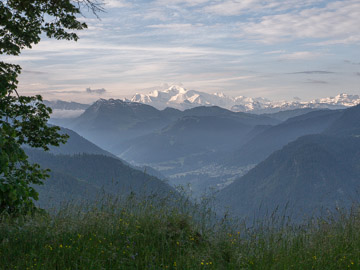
(316, 82)
(236, 46)
(313, 72)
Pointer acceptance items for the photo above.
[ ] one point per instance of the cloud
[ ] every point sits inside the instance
(238, 7)
(336, 21)
(351, 62)
(66, 92)
(207, 43)
(181, 2)
(87, 91)
(313, 72)
(353, 39)
(316, 82)
(171, 26)
(230, 8)
(116, 4)
(300, 55)
(275, 52)
(357, 73)
(238, 78)
(22, 58)
(95, 91)
(34, 72)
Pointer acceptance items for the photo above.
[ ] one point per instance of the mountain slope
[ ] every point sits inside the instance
(86, 176)
(312, 173)
(285, 115)
(65, 105)
(77, 144)
(200, 130)
(275, 137)
(348, 124)
(189, 135)
(109, 121)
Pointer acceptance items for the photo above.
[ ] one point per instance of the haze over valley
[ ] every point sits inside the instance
(243, 158)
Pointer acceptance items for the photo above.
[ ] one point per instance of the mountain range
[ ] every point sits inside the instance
(64, 109)
(182, 99)
(110, 122)
(179, 98)
(206, 146)
(307, 158)
(311, 174)
(82, 171)
(275, 137)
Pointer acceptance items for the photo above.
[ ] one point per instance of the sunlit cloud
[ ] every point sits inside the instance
(116, 3)
(337, 22)
(300, 55)
(244, 47)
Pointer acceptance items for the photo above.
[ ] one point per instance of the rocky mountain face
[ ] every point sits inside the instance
(180, 98)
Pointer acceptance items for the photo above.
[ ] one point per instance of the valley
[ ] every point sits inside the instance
(179, 134)
(213, 151)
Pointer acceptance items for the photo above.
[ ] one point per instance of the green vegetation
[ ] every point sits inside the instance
(23, 120)
(167, 234)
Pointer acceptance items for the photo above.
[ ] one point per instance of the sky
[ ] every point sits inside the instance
(277, 49)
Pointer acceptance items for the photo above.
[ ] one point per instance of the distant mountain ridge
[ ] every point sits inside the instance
(177, 97)
(112, 122)
(65, 109)
(65, 105)
(107, 122)
(182, 99)
(310, 174)
(275, 137)
(313, 173)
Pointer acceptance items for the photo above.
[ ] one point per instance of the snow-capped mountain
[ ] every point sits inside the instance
(180, 98)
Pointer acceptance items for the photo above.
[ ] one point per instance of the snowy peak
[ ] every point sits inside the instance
(341, 99)
(176, 89)
(176, 97)
(181, 98)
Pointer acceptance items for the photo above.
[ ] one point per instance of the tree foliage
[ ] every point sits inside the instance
(23, 119)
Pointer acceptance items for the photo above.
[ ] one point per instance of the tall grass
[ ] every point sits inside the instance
(173, 233)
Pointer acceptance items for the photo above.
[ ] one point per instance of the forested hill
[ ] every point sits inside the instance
(85, 176)
(77, 144)
(312, 174)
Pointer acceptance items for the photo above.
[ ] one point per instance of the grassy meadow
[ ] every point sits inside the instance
(173, 234)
